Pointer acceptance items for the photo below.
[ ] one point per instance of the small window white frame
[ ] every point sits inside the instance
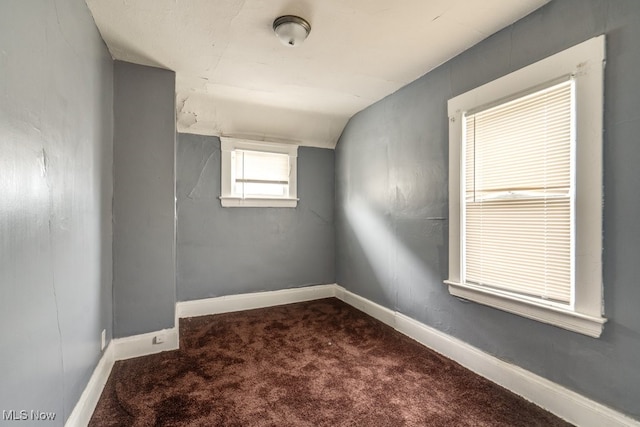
(229, 199)
(585, 62)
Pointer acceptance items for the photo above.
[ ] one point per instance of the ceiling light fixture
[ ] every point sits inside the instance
(291, 30)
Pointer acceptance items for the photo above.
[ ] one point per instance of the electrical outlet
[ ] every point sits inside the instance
(103, 340)
(158, 339)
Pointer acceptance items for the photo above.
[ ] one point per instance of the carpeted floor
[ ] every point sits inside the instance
(318, 363)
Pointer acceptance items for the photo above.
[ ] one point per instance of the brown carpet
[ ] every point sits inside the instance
(318, 363)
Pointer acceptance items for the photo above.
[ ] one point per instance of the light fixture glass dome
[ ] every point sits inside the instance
(291, 30)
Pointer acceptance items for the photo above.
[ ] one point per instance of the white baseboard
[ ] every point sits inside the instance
(561, 401)
(240, 302)
(118, 349)
(558, 400)
(145, 344)
(374, 310)
(83, 410)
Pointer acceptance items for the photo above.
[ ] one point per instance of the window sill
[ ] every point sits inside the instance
(237, 202)
(553, 315)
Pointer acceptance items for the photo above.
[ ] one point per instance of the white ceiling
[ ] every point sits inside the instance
(234, 78)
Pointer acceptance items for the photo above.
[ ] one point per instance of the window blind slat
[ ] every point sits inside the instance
(261, 166)
(518, 195)
(258, 173)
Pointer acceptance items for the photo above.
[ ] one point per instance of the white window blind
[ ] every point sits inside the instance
(518, 195)
(260, 174)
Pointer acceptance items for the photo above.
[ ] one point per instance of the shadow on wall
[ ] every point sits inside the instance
(384, 252)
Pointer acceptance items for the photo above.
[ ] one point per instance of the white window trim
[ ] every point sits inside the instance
(227, 199)
(585, 62)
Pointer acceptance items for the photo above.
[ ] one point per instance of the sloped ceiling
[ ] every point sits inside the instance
(234, 78)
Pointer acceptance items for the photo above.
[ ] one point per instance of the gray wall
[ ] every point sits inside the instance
(56, 162)
(223, 251)
(392, 203)
(144, 199)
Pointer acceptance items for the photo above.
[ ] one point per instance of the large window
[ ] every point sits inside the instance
(526, 191)
(518, 195)
(258, 174)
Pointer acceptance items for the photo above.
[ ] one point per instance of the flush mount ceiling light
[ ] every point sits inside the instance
(291, 30)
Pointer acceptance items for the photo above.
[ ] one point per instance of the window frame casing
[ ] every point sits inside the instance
(585, 62)
(229, 199)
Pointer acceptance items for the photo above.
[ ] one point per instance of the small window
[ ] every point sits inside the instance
(526, 191)
(258, 174)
